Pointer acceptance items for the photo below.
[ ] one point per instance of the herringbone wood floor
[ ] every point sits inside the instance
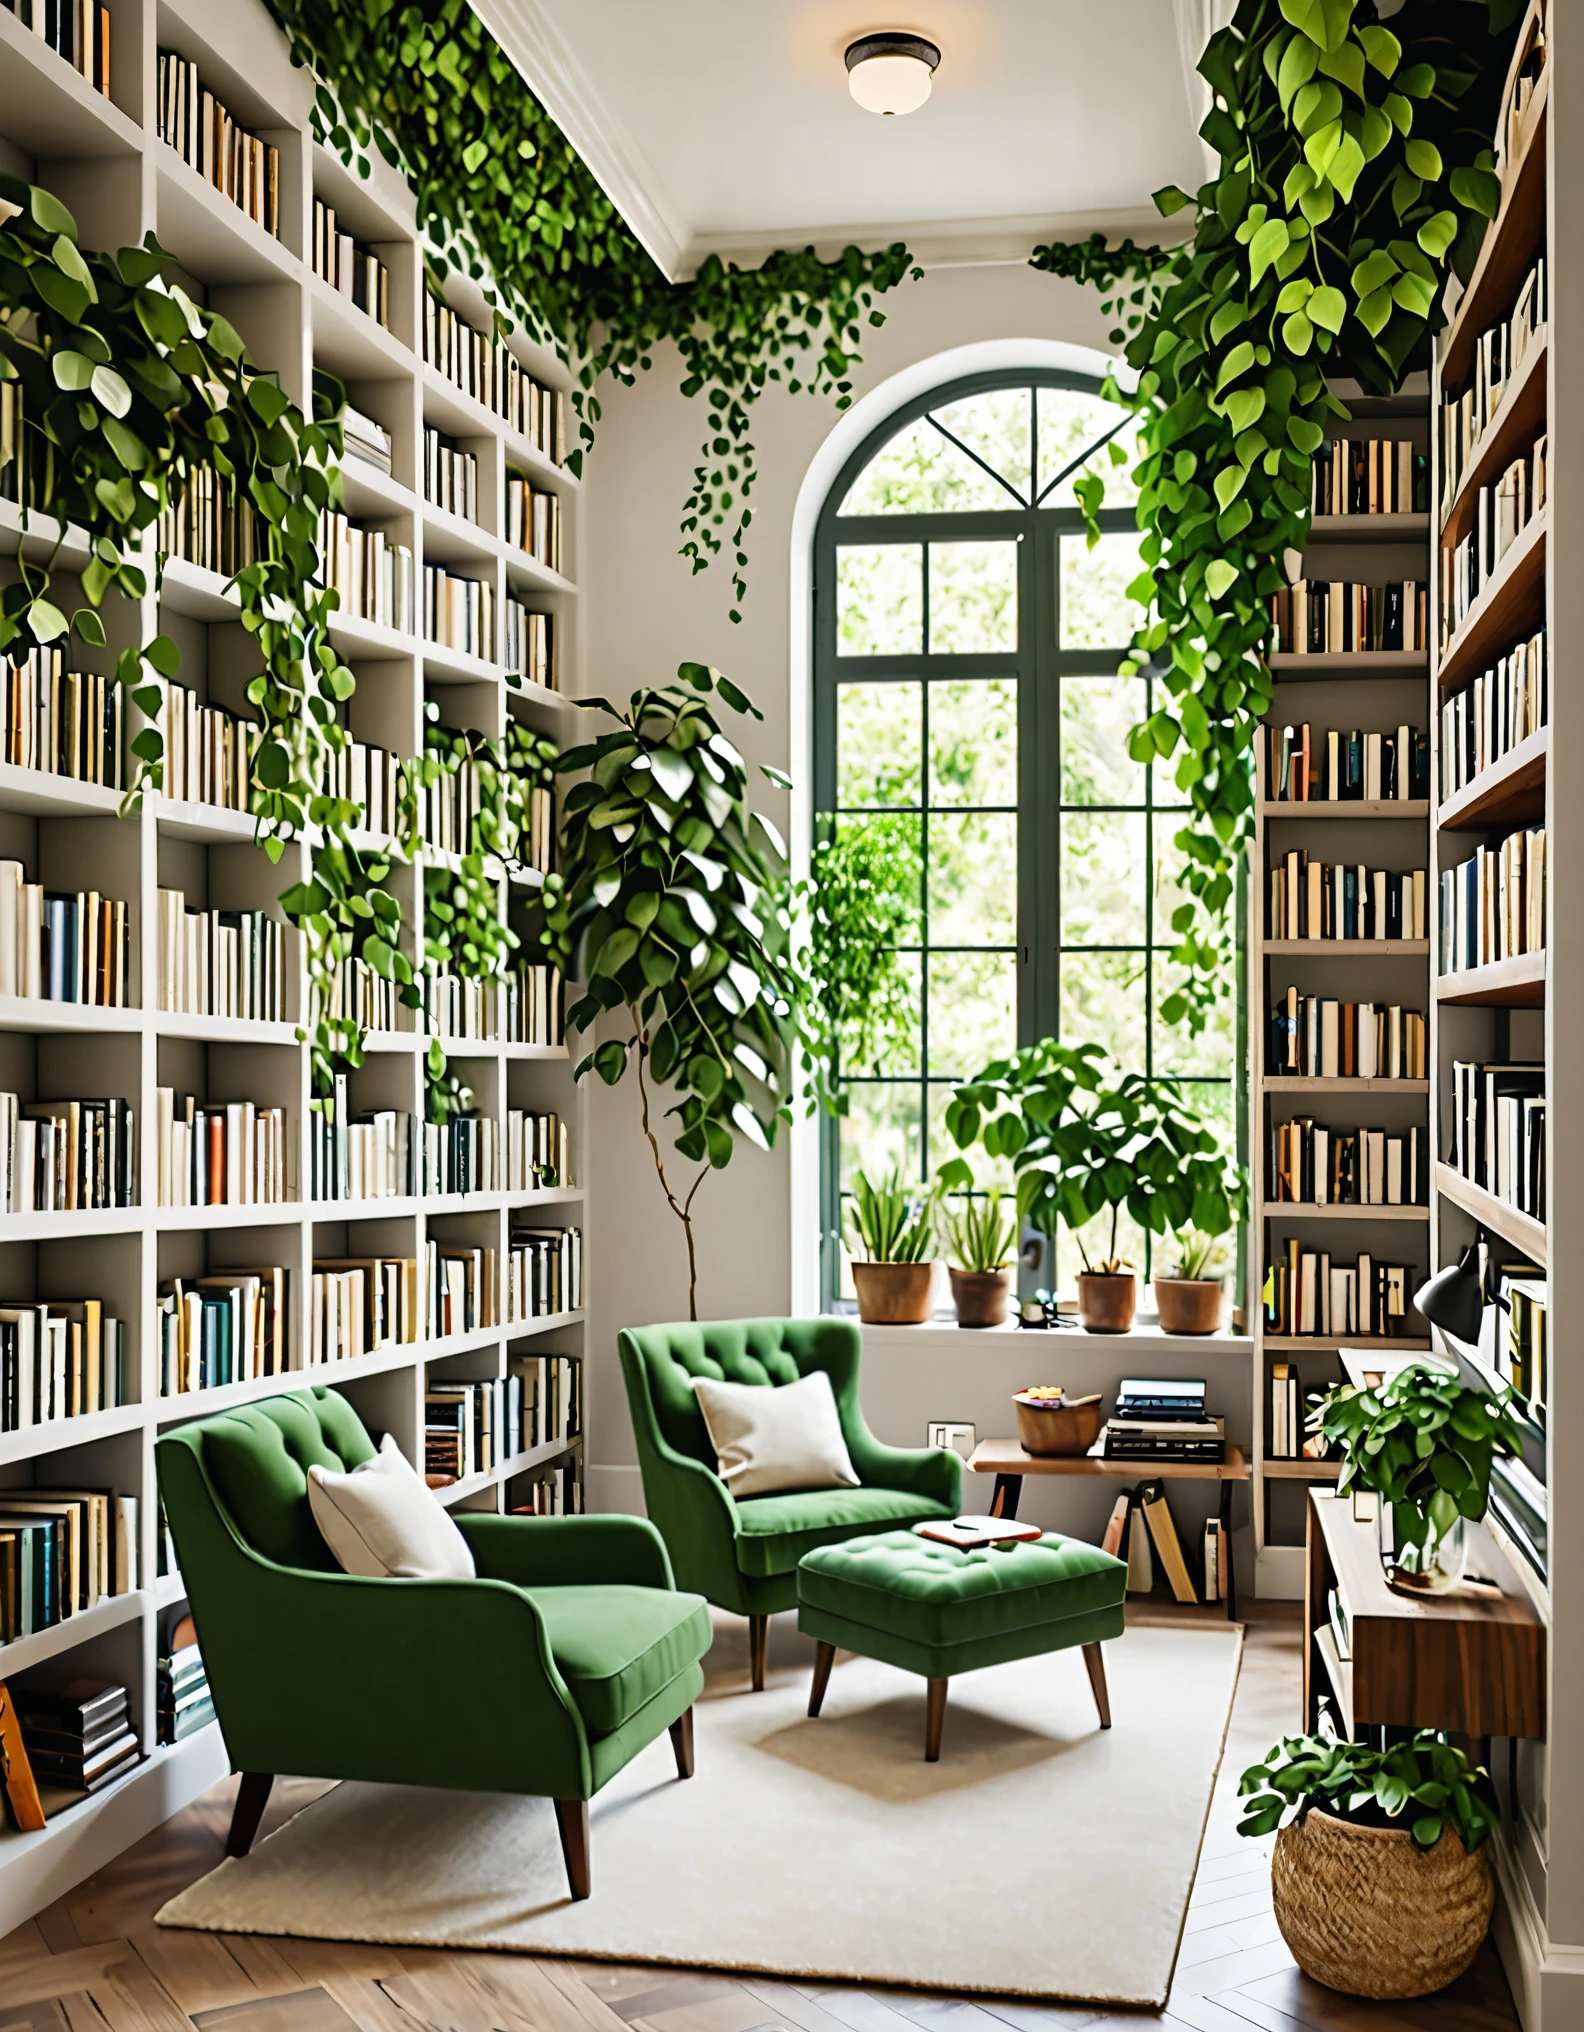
(95, 1961)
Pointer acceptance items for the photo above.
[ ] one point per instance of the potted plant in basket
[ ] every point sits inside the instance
(1188, 1295)
(1379, 1878)
(891, 1239)
(1084, 1137)
(980, 1240)
(1423, 1444)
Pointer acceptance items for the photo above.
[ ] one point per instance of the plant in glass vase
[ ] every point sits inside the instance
(1423, 1444)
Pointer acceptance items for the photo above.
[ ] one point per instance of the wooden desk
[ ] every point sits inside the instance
(1472, 1667)
(1007, 1461)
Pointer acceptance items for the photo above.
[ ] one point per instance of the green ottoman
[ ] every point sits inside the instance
(934, 1610)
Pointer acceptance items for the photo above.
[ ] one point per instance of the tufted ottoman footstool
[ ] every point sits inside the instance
(934, 1610)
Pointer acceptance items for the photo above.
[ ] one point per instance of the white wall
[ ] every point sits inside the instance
(642, 613)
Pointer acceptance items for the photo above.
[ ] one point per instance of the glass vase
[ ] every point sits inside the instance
(1434, 1568)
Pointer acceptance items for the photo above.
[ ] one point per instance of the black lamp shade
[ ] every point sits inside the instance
(1454, 1299)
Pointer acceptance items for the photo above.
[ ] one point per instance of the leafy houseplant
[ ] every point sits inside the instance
(1423, 1443)
(859, 903)
(979, 1242)
(1379, 1879)
(1188, 1296)
(892, 1243)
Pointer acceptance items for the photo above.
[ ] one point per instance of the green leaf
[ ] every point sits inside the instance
(49, 214)
(1238, 361)
(111, 391)
(1297, 334)
(1478, 189)
(1268, 242)
(46, 620)
(616, 951)
(1327, 308)
(1220, 577)
(1169, 199)
(1345, 63)
(1381, 48)
(1438, 233)
(163, 655)
(1424, 159)
(71, 370)
(87, 625)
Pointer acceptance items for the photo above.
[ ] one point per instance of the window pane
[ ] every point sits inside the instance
(894, 1047)
(1215, 1103)
(973, 598)
(896, 839)
(880, 1128)
(1097, 715)
(973, 878)
(973, 741)
(1213, 1051)
(879, 744)
(1102, 878)
(920, 472)
(972, 1012)
(1069, 421)
(1095, 610)
(879, 599)
(996, 426)
(1102, 1002)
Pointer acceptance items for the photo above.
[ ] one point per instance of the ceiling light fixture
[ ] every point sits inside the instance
(891, 74)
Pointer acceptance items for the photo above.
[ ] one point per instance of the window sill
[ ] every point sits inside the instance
(1140, 1339)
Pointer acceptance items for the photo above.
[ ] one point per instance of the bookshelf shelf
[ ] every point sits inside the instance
(61, 1433)
(1519, 1229)
(1343, 1210)
(194, 590)
(1511, 240)
(1297, 1344)
(1351, 663)
(1286, 1470)
(1345, 948)
(1518, 983)
(52, 111)
(48, 796)
(1367, 528)
(213, 239)
(1509, 607)
(23, 1653)
(27, 1012)
(1511, 792)
(1279, 808)
(1519, 416)
(1292, 1083)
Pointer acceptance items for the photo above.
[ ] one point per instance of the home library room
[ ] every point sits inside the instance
(246, 1232)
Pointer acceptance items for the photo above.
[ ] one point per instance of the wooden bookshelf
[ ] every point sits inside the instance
(1518, 983)
(107, 162)
(1510, 793)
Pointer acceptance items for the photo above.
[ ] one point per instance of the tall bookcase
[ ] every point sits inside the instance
(104, 158)
(1373, 691)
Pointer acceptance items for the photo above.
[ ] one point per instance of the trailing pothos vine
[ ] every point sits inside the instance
(505, 199)
(1355, 176)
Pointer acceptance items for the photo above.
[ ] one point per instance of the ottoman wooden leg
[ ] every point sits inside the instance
(824, 1659)
(934, 1716)
(1097, 1681)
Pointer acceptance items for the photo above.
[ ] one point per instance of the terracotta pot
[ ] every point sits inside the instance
(1105, 1303)
(1053, 1431)
(893, 1294)
(1365, 1912)
(1190, 1305)
(980, 1296)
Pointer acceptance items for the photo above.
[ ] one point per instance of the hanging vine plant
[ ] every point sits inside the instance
(505, 199)
(1356, 176)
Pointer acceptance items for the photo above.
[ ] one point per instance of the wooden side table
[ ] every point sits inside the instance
(1007, 1461)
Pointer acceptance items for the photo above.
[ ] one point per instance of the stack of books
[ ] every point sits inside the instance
(367, 1155)
(1316, 617)
(366, 440)
(78, 30)
(60, 946)
(56, 1156)
(536, 1151)
(370, 573)
(1337, 900)
(68, 722)
(1370, 476)
(544, 1272)
(459, 1289)
(225, 1153)
(532, 1010)
(229, 1327)
(1468, 412)
(58, 1361)
(78, 1737)
(239, 165)
(461, 1156)
(347, 267)
(530, 643)
(1501, 513)
(184, 1704)
(1336, 765)
(1313, 1037)
(1493, 905)
(362, 1304)
(1162, 1420)
(206, 751)
(1503, 706)
(450, 475)
(1498, 1126)
(62, 1551)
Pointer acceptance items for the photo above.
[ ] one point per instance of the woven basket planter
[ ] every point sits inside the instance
(1365, 1912)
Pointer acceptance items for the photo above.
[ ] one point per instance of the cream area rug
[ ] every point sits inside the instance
(1040, 1857)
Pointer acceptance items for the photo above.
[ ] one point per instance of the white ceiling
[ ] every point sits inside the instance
(726, 125)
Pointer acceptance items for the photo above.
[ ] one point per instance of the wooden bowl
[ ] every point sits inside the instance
(1052, 1431)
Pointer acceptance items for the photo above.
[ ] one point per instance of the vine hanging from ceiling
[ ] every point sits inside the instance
(1355, 176)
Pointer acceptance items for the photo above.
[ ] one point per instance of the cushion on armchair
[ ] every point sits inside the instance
(774, 1532)
(617, 1647)
(786, 1438)
(383, 1521)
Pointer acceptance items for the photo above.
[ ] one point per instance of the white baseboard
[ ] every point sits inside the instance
(1547, 1979)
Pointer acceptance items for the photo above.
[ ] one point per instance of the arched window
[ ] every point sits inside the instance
(967, 710)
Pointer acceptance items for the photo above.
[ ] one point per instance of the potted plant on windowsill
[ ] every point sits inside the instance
(979, 1242)
(891, 1239)
(1423, 1443)
(1188, 1295)
(1379, 1879)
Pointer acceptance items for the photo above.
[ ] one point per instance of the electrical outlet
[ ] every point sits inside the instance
(961, 1439)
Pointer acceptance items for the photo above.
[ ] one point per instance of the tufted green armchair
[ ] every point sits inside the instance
(568, 1654)
(742, 1554)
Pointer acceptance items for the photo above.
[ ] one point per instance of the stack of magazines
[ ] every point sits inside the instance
(1162, 1420)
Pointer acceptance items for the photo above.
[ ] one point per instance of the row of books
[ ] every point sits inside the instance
(221, 962)
(1493, 905)
(61, 945)
(459, 1291)
(208, 751)
(1314, 1163)
(448, 806)
(459, 612)
(1341, 766)
(238, 164)
(1310, 1291)
(58, 1360)
(1501, 514)
(183, 1703)
(1497, 1132)
(524, 1006)
(471, 1427)
(1287, 1436)
(364, 438)
(62, 1552)
(1318, 1037)
(232, 1326)
(371, 574)
(67, 722)
(66, 1156)
(537, 1150)
(461, 1156)
(529, 645)
(1318, 617)
(486, 369)
(358, 274)
(450, 476)
(533, 519)
(1467, 413)
(550, 1492)
(359, 995)
(357, 1156)
(1141, 1517)
(1370, 476)
(1337, 900)
(209, 526)
(544, 1272)
(225, 1153)
(78, 30)
(359, 1305)
(1522, 1349)
(367, 776)
(1503, 706)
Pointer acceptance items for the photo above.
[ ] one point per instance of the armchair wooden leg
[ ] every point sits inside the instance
(824, 1659)
(252, 1798)
(934, 1719)
(758, 1645)
(572, 1818)
(682, 1743)
(1095, 1661)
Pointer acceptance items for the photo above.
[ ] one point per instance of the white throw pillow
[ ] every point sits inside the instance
(383, 1521)
(786, 1437)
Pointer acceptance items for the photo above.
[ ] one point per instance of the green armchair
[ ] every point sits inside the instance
(742, 1554)
(570, 1651)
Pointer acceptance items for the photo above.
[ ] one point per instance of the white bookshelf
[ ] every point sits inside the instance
(105, 160)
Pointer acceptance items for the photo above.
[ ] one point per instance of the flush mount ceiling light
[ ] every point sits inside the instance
(891, 73)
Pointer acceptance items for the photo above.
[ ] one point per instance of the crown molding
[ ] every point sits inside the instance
(944, 243)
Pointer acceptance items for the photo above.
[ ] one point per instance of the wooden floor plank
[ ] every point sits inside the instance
(198, 1971)
(295, 2011)
(60, 1975)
